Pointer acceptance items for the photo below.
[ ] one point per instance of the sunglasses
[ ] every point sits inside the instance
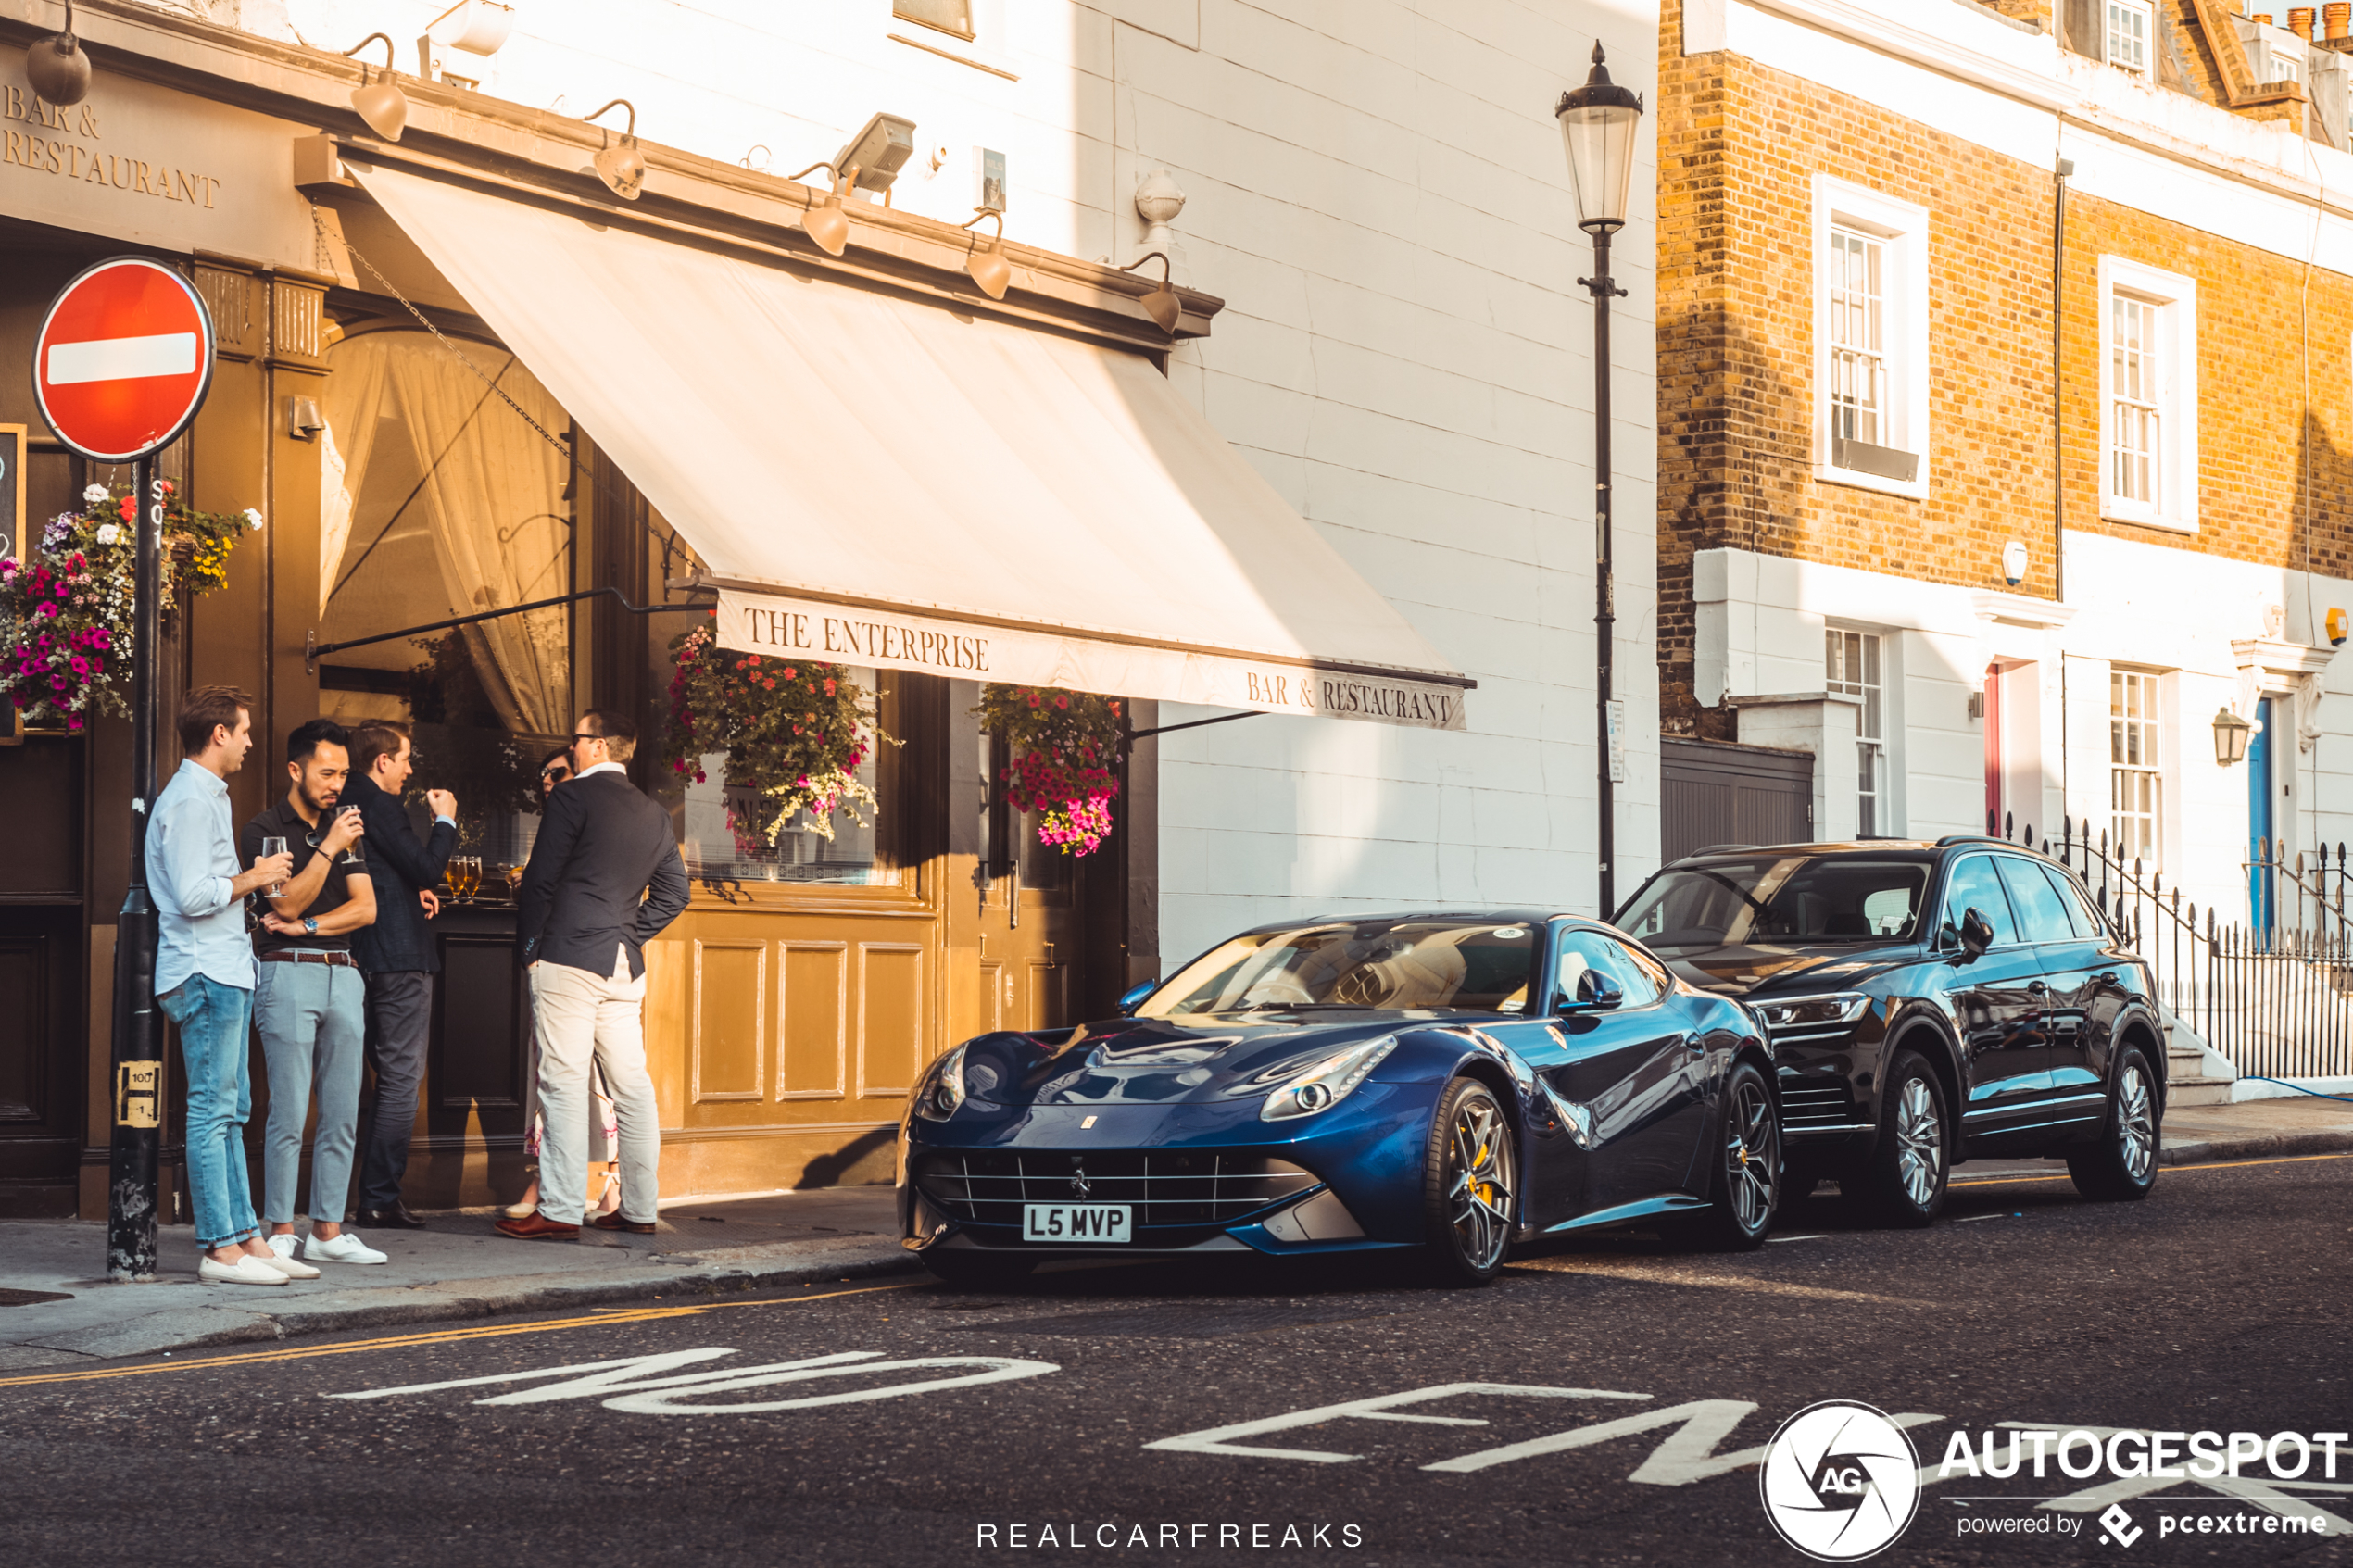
(558, 774)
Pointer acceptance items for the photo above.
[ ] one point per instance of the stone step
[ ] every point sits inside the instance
(2180, 1092)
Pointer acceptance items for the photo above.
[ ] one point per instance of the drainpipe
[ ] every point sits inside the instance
(2059, 435)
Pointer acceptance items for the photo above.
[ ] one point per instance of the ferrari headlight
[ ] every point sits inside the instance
(943, 1087)
(1813, 1013)
(1327, 1083)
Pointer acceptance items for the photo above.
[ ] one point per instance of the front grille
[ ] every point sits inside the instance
(1815, 1102)
(1167, 1189)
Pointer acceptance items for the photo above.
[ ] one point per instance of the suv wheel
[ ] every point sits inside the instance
(1905, 1181)
(2122, 1167)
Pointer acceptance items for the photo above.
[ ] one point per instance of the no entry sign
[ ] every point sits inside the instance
(124, 359)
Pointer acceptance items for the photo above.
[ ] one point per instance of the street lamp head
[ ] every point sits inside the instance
(2231, 734)
(1597, 124)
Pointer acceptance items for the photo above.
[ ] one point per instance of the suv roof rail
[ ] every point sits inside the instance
(1713, 849)
(1969, 838)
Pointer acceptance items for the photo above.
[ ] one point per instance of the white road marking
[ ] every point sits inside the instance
(1776, 1240)
(1219, 1439)
(636, 1387)
(1972, 1219)
(122, 359)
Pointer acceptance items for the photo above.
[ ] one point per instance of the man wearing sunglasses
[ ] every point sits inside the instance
(604, 879)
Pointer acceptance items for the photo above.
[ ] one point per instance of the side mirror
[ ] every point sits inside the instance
(1977, 934)
(1596, 992)
(1133, 997)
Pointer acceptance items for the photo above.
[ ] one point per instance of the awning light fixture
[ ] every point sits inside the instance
(989, 268)
(58, 67)
(827, 223)
(619, 164)
(381, 103)
(1161, 305)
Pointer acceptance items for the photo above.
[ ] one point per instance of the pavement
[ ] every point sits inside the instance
(1607, 1401)
(55, 1309)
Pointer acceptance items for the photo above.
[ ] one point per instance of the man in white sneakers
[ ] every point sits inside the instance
(308, 995)
(204, 976)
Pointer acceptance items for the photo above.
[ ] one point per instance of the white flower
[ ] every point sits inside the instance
(95, 496)
(109, 534)
(253, 519)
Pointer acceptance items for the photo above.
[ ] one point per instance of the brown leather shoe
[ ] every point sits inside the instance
(539, 1227)
(613, 1221)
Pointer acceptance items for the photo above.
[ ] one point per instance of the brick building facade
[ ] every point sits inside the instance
(1862, 551)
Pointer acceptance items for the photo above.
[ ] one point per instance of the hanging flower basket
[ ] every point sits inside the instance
(794, 734)
(1066, 748)
(65, 603)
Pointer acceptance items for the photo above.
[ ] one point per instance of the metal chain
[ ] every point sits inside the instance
(422, 320)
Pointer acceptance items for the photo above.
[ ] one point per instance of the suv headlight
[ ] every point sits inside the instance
(1327, 1083)
(943, 1089)
(1813, 1012)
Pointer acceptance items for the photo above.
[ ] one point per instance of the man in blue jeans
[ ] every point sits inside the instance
(308, 996)
(203, 973)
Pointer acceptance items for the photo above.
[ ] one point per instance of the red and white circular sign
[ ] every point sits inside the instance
(124, 359)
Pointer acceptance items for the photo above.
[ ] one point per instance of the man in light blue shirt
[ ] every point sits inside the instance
(204, 974)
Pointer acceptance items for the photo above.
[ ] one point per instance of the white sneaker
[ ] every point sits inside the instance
(247, 1270)
(281, 1258)
(345, 1248)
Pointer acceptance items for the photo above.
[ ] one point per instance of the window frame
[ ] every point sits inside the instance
(1874, 802)
(2172, 300)
(2152, 721)
(972, 24)
(2146, 12)
(1900, 229)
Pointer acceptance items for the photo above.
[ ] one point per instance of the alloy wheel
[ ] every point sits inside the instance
(1752, 1156)
(1478, 1182)
(2135, 1128)
(1919, 1142)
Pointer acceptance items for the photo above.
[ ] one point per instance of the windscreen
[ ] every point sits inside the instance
(1780, 899)
(1482, 968)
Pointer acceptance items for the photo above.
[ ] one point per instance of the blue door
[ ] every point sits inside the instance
(2258, 820)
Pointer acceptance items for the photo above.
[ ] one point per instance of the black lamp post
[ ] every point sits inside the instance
(1597, 124)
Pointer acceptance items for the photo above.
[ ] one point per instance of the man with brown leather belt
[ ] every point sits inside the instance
(309, 997)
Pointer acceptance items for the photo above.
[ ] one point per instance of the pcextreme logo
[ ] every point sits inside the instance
(1840, 1481)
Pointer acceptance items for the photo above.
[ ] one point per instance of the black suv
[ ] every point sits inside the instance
(1928, 1003)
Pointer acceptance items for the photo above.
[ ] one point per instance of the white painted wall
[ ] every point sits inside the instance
(1376, 187)
(1762, 620)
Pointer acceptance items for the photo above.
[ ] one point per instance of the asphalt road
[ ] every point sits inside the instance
(1093, 1404)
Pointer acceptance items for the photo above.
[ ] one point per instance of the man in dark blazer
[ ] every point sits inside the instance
(604, 879)
(396, 956)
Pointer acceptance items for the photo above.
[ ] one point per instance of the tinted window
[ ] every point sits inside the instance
(1779, 898)
(2041, 916)
(2079, 909)
(1581, 950)
(1974, 885)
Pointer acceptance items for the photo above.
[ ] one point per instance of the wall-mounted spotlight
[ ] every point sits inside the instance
(878, 152)
(381, 103)
(1162, 304)
(620, 165)
(989, 268)
(827, 224)
(58, 67)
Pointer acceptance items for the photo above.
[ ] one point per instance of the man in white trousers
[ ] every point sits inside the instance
(604, 879)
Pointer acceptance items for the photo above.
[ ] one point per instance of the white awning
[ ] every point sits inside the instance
(879, 481)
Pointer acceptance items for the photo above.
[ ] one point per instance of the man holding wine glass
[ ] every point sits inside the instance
(309, 1002)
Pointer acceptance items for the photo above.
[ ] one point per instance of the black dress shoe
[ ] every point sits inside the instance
(394, 1217)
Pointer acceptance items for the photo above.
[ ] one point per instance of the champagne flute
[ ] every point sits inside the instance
(273, 847)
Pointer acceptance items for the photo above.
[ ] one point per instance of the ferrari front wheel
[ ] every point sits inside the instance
(1470, 1183)
(1744, 1188)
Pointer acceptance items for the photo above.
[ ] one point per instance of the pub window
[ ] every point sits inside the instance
(436, 501)
(948, 15)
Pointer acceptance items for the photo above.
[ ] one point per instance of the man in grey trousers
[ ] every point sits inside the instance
(309, 1000)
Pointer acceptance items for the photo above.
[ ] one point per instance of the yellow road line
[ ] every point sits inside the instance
(443, 1336)
(2218, 1165)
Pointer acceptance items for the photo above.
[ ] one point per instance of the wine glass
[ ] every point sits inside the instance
(514, 882)
(273, 847)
